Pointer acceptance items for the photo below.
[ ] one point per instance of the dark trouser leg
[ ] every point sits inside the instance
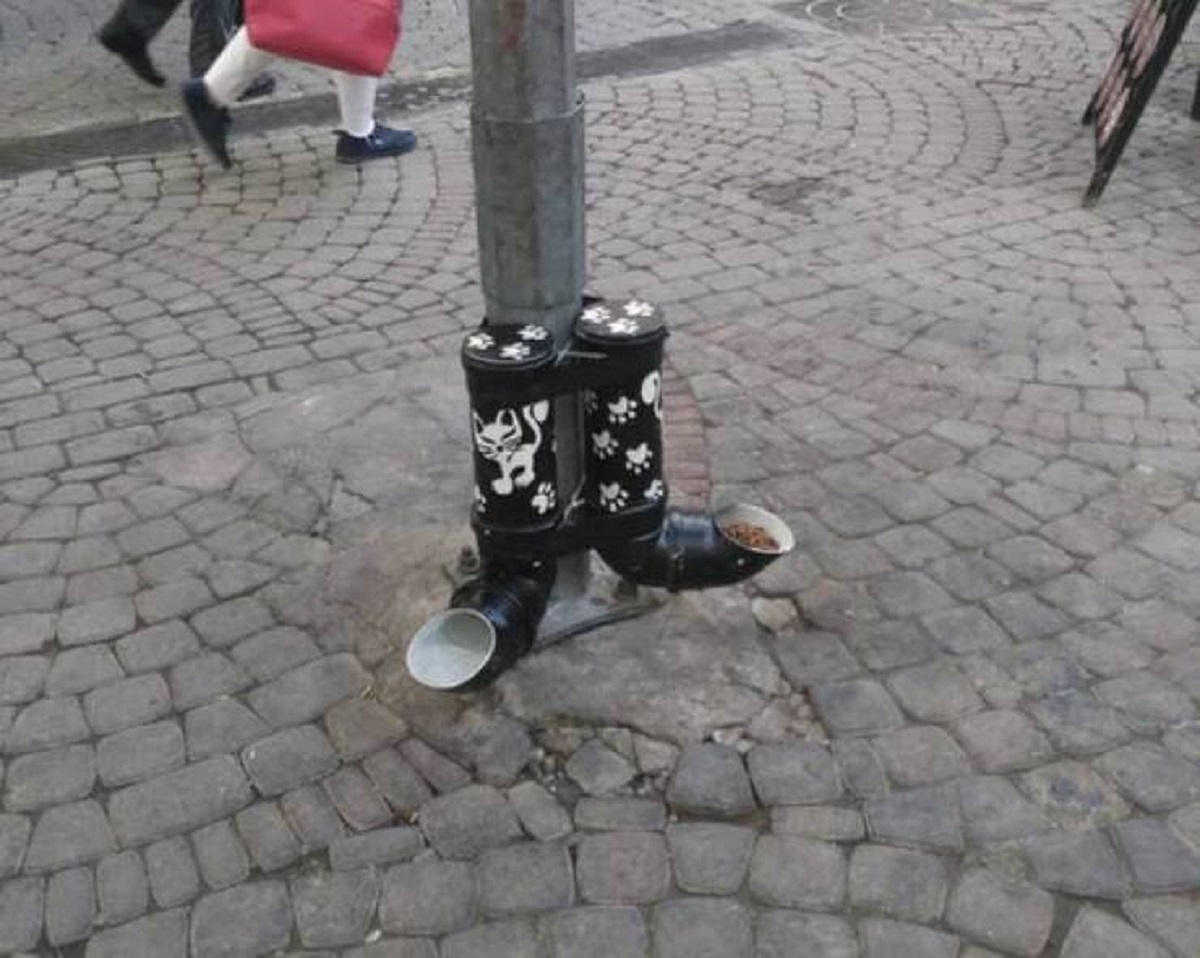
(143, 18)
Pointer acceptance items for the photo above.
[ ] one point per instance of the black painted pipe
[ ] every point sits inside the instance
(692, 550)
(492, 621)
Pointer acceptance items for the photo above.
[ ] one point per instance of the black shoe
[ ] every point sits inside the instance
(380, 142)
(208, 121)
(263, 85)
(132, 49)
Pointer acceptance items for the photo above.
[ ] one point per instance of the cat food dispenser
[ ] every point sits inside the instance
(494, 618)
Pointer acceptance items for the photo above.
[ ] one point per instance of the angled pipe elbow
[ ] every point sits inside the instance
(702, 550)
(492, 621)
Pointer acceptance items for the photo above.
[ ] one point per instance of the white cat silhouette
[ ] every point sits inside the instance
(500, 441)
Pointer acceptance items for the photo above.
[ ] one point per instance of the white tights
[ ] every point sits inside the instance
(239, 63)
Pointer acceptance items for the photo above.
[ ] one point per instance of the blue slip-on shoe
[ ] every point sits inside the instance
(208, 121)
(381, 142)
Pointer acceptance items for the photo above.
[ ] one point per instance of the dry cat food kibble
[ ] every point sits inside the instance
(751, 536)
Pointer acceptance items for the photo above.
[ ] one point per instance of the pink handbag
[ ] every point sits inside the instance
(355, 36)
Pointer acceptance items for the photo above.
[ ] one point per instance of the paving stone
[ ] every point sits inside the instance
(531, 877)
(312, 817)
(158, 647)
(857, 707)
(780, 934)
(129, 702)
(21, 678)
(171, 600)
(334, 908)
(220, 727)
(513, 939)
(1146, 703)
(898, 883)
(1151, 776)
(597, 932)
(252, 919)
(1160, 862)
(140, 753)
(963, 630)
(710, 859)
(43, 594)
(393, 948)
(823, 823)
(399, 783)
(860, 768)
(1078, 724)
(1107, 650)
(794, 774)
(14, 838)
(623, 868)
(893, 939)
(903, 594)
(384, 846)
(21, 902)
(1096, 934)
(1077, 863)
(70, 907)
(49, 778)
(164, 935)
(220, 855)
(289, 759)
(599, 770)
(269, 654)
(356, 800)
(46, 724)
(618, 814)
(122, 891)
(180, 801)
(701, 928)
(922, 755)
(69, 835)
(1082, 597)
(995, 811)
(224, 624)
(361, 727)
(1009, 915)
(305, 693)
(891, 645)
(1003, 741)
(920, 817)
(1026, 617)
(266, 834)
(468, 821)
(440, 772)
(428, 898)
(937, 692)
(26, 632)
(79, 670)
(96, 621)
(711, 780)
(791, 872)
(809, 658)
(541, 815)
(1173, 921)
(1073, 794)
(203, 679)
(172, 873)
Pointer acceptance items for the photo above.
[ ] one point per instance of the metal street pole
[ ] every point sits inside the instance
(527, 140)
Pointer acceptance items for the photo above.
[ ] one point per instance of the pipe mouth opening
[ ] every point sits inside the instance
(451, 649)
(755, 530)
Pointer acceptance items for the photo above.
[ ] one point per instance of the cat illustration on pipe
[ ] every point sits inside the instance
(504, 442)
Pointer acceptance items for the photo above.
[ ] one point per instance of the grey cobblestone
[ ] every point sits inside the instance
(1175, 922)
(140, 753)
(858, 707)
(254, 919)
(711, 780)
(894, 939)
(791, 872)
(623, 868)
(384, 846)
(1158, 860)
(269, 654)
(14, 839)
(541, 815)
(172, 873)
(25, 632)
(313, 817)
(49, 778)
(224, 624)
(1002, 913)
(794, 774)
(702, 928)
(429, 898)
(357, 800)
(597, 932)
(21, 901)
(468, 821)
(440, 772)
(199, 681)
(334, 909)
(69, 835)
(1095, 934)
(122, 892)
(268, 837)
(21, 678)
(898, 883)
(126, 703)
(158, 647)
(220, 727)
(305, 693)
(599, 770)
(289, 759)
(993, 810)
(615, 814)
(921, 818)
(1003, 741)
(220, 855)
(70, 907)
(1078, 863)
(528, 878)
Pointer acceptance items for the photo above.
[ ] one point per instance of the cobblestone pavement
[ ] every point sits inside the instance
(962, 719)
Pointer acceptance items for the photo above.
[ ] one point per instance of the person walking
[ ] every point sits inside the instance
(135, 23)
(206, 102)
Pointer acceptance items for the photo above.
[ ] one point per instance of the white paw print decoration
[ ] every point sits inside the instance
(638, 309)
(480, 500)
(515, 351)
(655, 491)
(637, 459)
(613, 497)
(480, 341)
(623, 410)
(591, 402)
(534, 334)
(544, 499)
(597, 314)
(604, 444)
(624, 326)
